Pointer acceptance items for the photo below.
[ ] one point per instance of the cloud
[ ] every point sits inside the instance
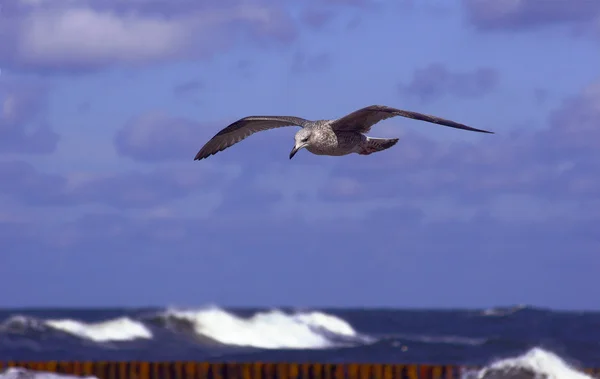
(360, 4)
(155, 136)
(145, 189)
(400, 247)
(86, 35)
(526, 15)
(555, 164)
(422, 209)
(190, 87)
(317, 18)
(305, 62)
(319, 14)
(534, 168)
(123, 190)
(244, 67)
(22, 181)
(541, 95)
(22, 127)
(434, 81)
(243, 200)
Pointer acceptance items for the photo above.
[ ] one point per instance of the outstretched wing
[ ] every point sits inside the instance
(243, 128)
(363, 119)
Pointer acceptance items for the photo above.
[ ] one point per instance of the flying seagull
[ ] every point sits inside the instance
(337, 137)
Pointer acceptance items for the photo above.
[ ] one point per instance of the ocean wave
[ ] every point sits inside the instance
(450, 339)
(511, 310)
(119, 329)
(272, 329)
(536, 363)
(22, 324)
(21, 373)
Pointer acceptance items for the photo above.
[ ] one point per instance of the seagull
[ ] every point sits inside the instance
(337, 137)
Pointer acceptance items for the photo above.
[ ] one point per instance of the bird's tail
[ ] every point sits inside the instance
(374, 145)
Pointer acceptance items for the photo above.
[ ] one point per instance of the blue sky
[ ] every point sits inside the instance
(103, 106)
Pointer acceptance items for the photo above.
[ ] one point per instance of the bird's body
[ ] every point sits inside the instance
(326, 141)
(337, 137)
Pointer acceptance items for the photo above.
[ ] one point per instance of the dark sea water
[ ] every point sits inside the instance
(464, 337)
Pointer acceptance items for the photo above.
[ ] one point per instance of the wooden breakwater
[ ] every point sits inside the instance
(255, 370)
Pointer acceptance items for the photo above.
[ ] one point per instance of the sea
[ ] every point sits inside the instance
(553, 344)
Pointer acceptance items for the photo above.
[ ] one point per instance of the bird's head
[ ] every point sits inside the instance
(302, 139)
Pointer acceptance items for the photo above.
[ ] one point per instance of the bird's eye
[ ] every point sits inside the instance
(304, 139)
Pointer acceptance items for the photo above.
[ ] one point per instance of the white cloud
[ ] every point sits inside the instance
(72, 35)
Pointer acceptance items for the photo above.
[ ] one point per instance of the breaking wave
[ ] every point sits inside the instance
(20, 373)
(272, 329)
(119, 330)
(22, 324)
(537, 363)
(505, 311)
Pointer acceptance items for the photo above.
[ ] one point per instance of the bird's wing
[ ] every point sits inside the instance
(363, 119)
(243, 128)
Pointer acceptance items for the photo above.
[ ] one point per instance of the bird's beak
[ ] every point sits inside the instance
(295, 150)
